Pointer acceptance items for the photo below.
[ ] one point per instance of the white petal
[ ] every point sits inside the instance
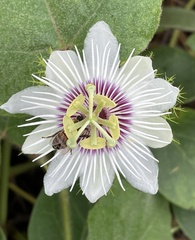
(100, 39)
(17, 103)
(139, 167)
(38, 143)
(137, 68)
(159, 93)
(97, 176)
(62, 172)
(64, 68)
(155, 132)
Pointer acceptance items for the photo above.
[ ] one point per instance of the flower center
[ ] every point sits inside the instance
(103, 131)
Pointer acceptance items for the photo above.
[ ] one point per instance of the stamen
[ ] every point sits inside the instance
(89, 143)
(72, 141)
(110, 141)
(76, 105)
(99, 108)
(108, 103)
(93, 136)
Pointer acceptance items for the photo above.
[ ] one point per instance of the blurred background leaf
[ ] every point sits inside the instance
(129, 215)
(178, 18)
(186, 220)
(176, 62)
(177, 163)
(191, 41)
(61, 216)
(2, 235)
(11, 131)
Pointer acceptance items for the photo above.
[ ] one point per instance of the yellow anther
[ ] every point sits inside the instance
(99, 107)
(77, 125)
(106, 123)
(74, 106)
(68, 124)
(87, 143)
(108, 103)
(115, 129)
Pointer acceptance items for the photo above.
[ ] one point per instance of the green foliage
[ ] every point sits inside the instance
(129, 215)
(2, 235)
(32, 29)
(177, 163)
(62, 217)
(185, 219)
(9, 129)
(178, 63)
(36, 27)
(191, 41)
(178, 18)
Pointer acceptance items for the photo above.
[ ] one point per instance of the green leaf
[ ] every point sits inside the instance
(35, 26)
(185, 219)
(32, 28)
(129, 215)
(133, 22)
(178, 18)
(2, 235)
(177, 163)
(61, 216)
(176, 62)
(191, 41)
(8, 128)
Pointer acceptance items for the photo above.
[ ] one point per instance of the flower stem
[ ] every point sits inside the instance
(22, 193)
(21, 168)
(65, 202)
(190, 4)
(175, 229)
(5, 154)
